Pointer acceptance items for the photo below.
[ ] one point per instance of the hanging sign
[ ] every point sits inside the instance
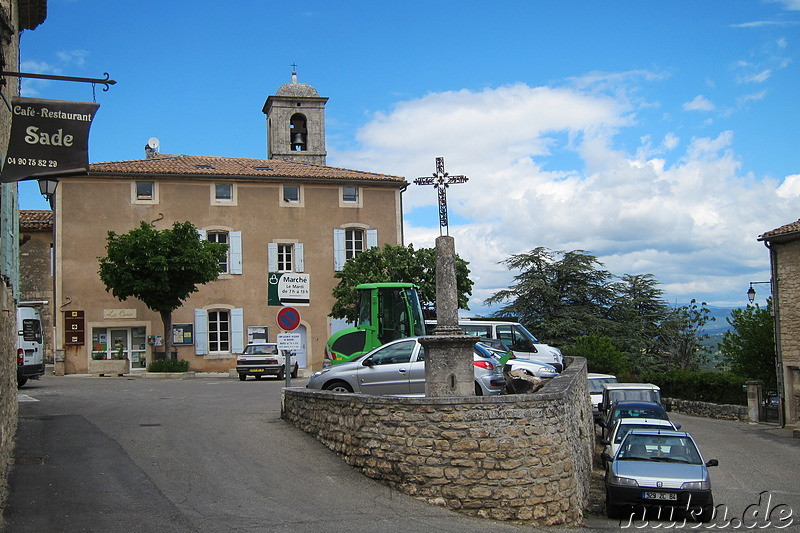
(49, 138)
(288, 288)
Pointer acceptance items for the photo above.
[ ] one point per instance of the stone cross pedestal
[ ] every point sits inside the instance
(448, 352)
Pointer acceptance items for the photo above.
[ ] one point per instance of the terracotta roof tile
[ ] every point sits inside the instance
(793, 227)
(35, 219)
(192, 165)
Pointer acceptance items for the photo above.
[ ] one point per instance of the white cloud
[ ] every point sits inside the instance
(700, 103)
(684, 214)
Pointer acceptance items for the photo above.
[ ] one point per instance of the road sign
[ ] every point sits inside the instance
(288, 318)
(289, 341)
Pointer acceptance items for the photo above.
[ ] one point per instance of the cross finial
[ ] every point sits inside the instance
(441, 180)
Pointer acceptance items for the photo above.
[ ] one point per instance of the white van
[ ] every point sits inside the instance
(30, 350)
(515, 336)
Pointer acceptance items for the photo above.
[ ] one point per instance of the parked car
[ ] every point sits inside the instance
(263, 359)
(628, 392)
(534, 368)
(398, 369)
(658, 468)
(596, 382)
(623, 425)
(631, 410)
(30, 347)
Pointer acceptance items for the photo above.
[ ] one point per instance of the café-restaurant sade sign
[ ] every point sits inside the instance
(48, 138)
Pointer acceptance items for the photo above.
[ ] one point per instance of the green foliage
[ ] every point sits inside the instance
(168, 365)
(395, 264)
(600, 353)
(160, 268)
(749, 349)
(703, 386)
(680, 336)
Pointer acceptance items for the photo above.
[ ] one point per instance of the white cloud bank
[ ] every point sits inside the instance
(544, 170)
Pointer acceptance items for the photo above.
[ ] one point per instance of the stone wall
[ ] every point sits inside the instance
(709, 410)
(512, 457)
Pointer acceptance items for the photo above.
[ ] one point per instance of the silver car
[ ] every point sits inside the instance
(659, 469)
(534, 368)
(398, 369)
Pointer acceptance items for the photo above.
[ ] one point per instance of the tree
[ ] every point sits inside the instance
(160, 268)
(395, 264)
(680, 337)
(560, 295)
(636, 313)
(750, 347)
(600, 353)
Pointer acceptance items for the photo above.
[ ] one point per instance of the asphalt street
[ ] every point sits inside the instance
(211, 454)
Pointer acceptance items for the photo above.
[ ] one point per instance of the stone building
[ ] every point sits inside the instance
(784, 254)
(15, 16)
(290, 222)
(36, 269)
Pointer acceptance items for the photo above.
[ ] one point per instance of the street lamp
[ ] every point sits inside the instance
(751, 292)
(48, 189)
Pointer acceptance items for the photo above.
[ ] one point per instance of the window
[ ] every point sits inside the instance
(222, 238)
(349, 242)
(350, 194)
(285, 257)
(144, 190)
(353, 242)
(232, 263)
(291, 193)
(223, 192)
(219, 331)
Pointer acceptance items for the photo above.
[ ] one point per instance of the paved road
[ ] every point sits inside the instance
(211, 454)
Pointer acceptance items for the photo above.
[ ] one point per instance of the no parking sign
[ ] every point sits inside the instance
(288, 318)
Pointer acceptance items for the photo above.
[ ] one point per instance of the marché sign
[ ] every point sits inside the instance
(49, 138)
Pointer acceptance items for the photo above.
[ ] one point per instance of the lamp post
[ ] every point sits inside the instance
(751, 292)
(48, 188)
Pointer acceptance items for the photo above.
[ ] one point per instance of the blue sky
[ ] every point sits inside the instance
(660, 136)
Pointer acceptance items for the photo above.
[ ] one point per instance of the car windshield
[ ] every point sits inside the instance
(596, 385)
(261, 349)
(623, 430)
(623, 411)
(665, 448)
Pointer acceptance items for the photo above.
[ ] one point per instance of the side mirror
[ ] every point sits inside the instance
(712, 462)
(607, 442)
(677, 426)
(368, 362)
(605, 456)
(602, 424)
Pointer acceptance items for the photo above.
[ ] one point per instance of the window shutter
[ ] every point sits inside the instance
(372, 238)
(237, 330)
(338, 249)
(272, 257)
(235, 246)
(200, 332)
(299, 265)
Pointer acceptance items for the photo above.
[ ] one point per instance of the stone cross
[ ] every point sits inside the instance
(441, 180)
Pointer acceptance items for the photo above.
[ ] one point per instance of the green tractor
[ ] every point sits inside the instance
(386, 312)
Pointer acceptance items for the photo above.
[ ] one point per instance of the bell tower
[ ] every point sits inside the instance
(296, 123)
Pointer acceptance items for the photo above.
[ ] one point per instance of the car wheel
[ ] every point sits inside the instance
(280, 375)
(21, 382)
(706, 514)
(242, 377)
(294, 371)
(478, 389)
(338, 386)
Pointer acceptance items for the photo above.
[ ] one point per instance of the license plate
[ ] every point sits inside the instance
(256, 370)
(663, 496)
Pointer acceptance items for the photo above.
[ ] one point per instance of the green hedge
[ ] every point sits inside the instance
(702, 386)
(168, 365)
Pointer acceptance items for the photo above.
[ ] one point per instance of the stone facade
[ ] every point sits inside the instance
(15, 16)
(523, 458)
(784, 245)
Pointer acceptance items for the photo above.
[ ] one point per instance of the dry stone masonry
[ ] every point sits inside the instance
(524, 457)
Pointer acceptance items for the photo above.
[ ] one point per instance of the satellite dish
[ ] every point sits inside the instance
(153, 143)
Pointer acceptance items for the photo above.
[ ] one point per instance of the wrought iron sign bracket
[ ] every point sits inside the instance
(104, 81)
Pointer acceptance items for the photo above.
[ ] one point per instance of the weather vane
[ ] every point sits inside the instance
(441, 181)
